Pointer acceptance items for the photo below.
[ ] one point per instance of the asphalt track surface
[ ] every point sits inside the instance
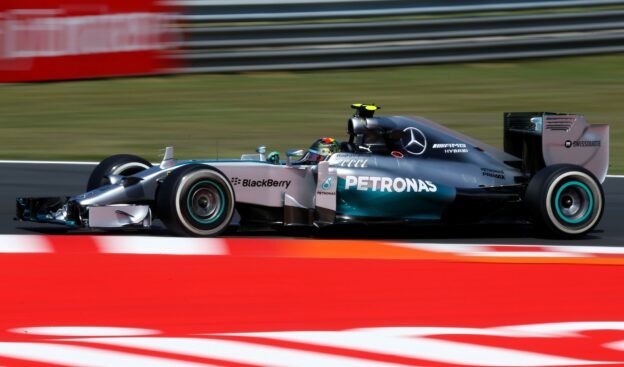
(36, 179)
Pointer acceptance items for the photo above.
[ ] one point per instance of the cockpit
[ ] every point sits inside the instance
(320, 151)
(367, 134)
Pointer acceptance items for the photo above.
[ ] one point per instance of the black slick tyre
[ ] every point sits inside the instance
(565, 200)
(120, 164)
(195, 200)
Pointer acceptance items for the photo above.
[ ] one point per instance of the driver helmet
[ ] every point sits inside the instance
(322, 149)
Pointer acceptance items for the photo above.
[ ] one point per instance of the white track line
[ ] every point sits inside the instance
(241, 352)
(71, 355)
(49, 162)
(149, 245)
(145, 245)
(93, 331)
(441, 351)
(24, 244)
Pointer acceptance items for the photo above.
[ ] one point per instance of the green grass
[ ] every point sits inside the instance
(234, 113)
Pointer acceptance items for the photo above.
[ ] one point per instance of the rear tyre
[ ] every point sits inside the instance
(195, 201)
(120, 164)
(565, 200)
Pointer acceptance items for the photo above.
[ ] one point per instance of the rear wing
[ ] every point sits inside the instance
(541, 139)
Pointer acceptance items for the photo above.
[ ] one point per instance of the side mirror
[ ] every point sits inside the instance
(293, 153)
(168, 160)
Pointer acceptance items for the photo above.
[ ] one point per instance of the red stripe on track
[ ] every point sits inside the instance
(305, 285)
(205, 294)
(73, 244)
(255, 247)
(14, 362)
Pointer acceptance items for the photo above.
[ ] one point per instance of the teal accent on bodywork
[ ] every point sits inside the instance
(394, 205)
(220, 161)
(327, 183)
(188, 203)
(47, 218)
(589, 194)
(538, 123)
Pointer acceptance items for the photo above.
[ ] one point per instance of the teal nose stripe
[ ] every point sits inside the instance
(558, 207)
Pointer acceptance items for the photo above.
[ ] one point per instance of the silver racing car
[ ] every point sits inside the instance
(389, 170)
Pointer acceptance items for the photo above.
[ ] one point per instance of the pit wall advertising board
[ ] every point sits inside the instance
(45, 40)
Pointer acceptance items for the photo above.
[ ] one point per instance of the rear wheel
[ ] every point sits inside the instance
(196, 201)
(565, 200)
(120, 164)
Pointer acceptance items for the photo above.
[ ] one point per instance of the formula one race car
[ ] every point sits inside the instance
(390, 170)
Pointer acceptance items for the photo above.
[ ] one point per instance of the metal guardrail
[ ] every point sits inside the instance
(262, 10)
(328, 43)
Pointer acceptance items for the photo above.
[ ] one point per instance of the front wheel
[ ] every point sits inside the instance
(119, 165)
(565, 200)
(195, 200)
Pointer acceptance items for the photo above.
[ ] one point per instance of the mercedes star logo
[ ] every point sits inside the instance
(414, 142)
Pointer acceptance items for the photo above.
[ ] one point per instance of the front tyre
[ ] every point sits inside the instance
(565, 200)
(120, 164)
(195, 201)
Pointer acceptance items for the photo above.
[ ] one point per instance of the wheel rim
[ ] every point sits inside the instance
(129, 169)
(574, 202)
(574, 221)
(205, 202)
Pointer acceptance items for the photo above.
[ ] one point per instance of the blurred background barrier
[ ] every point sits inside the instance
(246, 35)
(60, 39)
